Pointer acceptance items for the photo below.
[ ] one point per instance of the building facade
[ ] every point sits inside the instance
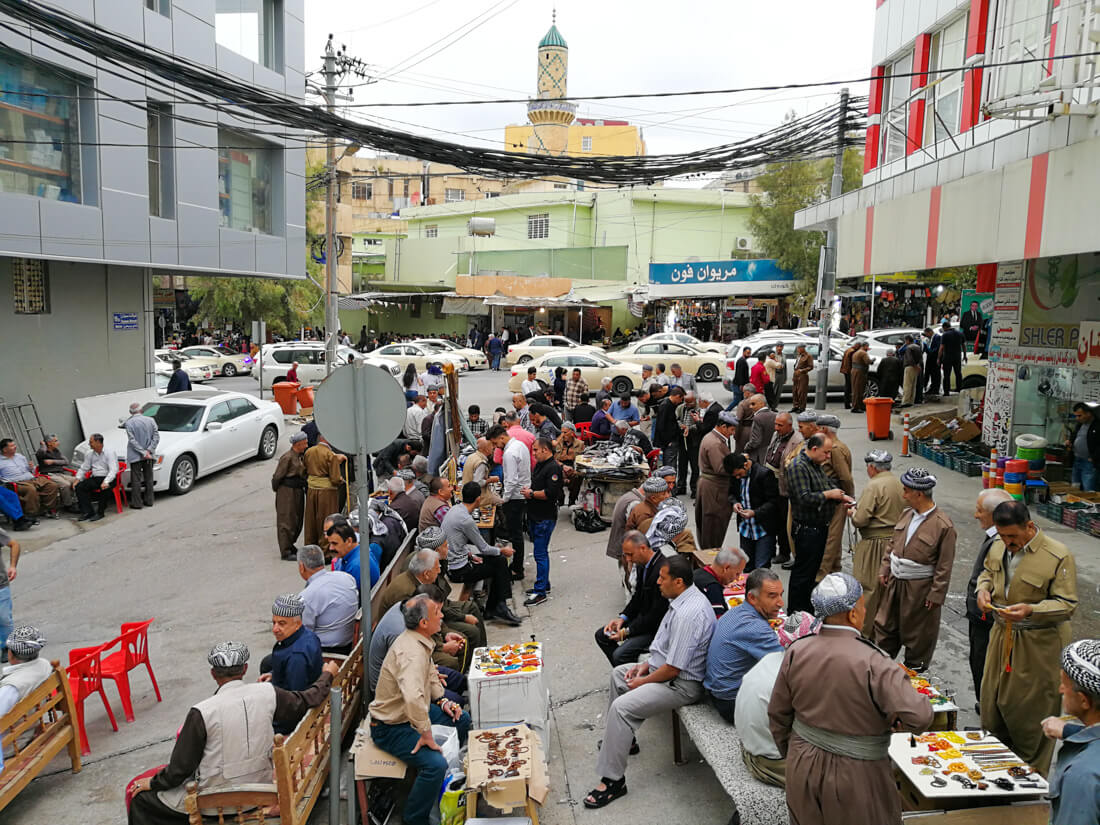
(983, 150)
(106, 177)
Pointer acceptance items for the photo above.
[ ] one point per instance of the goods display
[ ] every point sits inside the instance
(922, 685)
(961, 763)
(508, 686)
(507, 659)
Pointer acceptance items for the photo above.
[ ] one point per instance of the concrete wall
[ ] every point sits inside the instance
(73, 351)
(393, 319)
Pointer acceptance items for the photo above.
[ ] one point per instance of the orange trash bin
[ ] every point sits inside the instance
(305, 399)
(285, 392)
(878, 417)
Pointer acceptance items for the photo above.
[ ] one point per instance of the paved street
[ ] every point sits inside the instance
(206, 566)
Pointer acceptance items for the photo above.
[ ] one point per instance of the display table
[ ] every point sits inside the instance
(943, 703)
(606, 480)
(507, 686)
(930, 784)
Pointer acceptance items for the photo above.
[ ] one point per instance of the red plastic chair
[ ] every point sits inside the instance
(653, 456)
(85, 678)
(117, 488)
(584, 431)
(134, 651)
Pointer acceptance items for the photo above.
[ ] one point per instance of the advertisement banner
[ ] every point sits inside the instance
(1060, 293)
(976, 308)
(1009, 293)
(997, 419)
(690, 278)
(1088, 345)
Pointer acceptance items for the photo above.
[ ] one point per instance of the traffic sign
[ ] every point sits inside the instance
(365, 389)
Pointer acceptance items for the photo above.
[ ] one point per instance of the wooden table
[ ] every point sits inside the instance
(488, 517)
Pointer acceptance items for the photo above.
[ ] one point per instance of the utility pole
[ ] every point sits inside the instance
(827, 280)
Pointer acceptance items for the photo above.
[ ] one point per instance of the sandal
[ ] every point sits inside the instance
(614, 788)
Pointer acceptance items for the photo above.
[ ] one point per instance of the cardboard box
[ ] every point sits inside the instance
(507, 793)
(967, 431)
(371, 762)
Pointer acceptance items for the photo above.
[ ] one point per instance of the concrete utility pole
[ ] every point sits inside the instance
(827, 281)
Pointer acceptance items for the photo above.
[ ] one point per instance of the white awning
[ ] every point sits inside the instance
(464, 306)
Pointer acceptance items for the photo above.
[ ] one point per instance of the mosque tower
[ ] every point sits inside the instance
(549, 113)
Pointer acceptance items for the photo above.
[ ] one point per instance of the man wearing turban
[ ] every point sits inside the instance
(875, 515)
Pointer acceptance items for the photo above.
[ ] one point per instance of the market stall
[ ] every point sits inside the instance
(607, 472)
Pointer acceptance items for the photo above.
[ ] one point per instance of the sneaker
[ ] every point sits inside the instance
(537, 598)
(532, 591)
(788, 565)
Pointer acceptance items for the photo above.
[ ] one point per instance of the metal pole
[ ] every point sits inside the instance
(335, 737)
(871, 323)
(332, 318)
(828, 278)
(362, 491)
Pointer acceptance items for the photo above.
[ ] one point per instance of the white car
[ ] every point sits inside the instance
(229, 363)
(277, 359)
(815, 332)
(684, 338)
(705, 366)
(793, 339)
(594, 367)
(201, 431)
(475, 358)
(197, 371)
(420, 355)
(539, 345)
(885, 341)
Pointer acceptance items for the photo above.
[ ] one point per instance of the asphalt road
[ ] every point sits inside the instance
(206, 566)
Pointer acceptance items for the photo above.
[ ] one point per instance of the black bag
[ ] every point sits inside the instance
(588, 521)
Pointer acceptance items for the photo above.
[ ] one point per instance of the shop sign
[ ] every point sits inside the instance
(1088, 345)
(1004, 333)
(1008, 297)
(1034, 356)
(718, 278)
(124, 320)
(1060, 293)
(997, 418)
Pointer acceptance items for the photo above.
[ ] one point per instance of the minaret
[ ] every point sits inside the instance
(549, 113)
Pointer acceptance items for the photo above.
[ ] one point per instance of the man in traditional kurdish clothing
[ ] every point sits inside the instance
(1030, 585)
(979, 623)
(1077, 802)
(915, 574)
(289, 484)
(323, 480)
(839, 469)
(626, 502)
(861, 366)
(876, 513)
(655, 490)
(834, 705)
(800, 384)
(712, 504)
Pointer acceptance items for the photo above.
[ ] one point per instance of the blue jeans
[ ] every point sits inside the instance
(540, 538)
(759, 551)
(495, 358)
(738, 397)
(1084, 473)
(5, 617)
(431, 767)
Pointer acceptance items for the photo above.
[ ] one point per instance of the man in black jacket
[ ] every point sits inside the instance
(385, 460)
(740, 377)
(979, 623)
(754, 493)
(1085, 446)
(627, 636)
(667, 436)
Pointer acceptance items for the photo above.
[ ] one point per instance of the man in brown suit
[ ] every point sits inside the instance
(656, 490)
(861, 365)
(288, 482)
(835, 703)
(800, 384)
(712, 504)
(323, 482)
(761, 432)
(839, 469)
(915, 574)
(846, 371)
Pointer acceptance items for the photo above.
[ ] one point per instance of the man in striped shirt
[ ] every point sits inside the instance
(672, 678)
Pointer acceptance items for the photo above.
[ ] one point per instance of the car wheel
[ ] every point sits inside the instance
(973, 381)
(708, 372)
(621, 385)
(229, 370)
(871, 390)
(269, 441)
(523, 359)
(183, 475)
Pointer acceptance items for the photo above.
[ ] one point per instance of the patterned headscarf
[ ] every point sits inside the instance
(918, 478)
(25, 642)
(288, 604)
(228, 654)
(670, 521)
(836, 593)
(406, 475)
(1080, 661)
(878, 457)
(430, 538)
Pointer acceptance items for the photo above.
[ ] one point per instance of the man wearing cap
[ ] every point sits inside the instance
(978, 622)
(331, 601)
(800, 384)
(839, 469)
(835, 703)
(1077, 802)
(655, 490)
(1030, 585)
(875, 515)
(712, 504)
(213, 747)
(323, 482)
(289, 485)
(785, 441)
(295, 660)
(861, 366)
(915, 574)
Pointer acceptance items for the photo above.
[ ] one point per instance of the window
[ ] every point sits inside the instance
(1023, 33)
(241, 406)
(30, 287)
(160, 6)
(431, 231)
(252, 29)
(160, 160)
(39, 131)
(538, 226)
(406, 187)
(586, 143)
(561, 185)
(245, 182)
(895, 108)
(648, 349)
(220, 413)
(492, 194)
(362, 191)
(945, 98)
(453, 195)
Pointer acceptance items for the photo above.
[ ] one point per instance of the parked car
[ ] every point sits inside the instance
(684, 338)
(198, 371)
(229, 362)
(834, 333)
(706, 366)
(540, 345)
(594, 367)
(310, 356)
(201, 432)
(420, 355)
(475, 358)
(885, 341)
(836, 354)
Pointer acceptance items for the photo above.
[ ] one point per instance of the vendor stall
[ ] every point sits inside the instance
(608, 472)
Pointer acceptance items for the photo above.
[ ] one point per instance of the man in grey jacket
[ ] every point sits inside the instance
(142, 438)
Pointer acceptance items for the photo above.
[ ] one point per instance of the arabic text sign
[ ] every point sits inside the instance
(1088, 345)
(697, 273)
(124, 320)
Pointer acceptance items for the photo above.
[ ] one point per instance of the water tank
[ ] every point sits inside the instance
(482, 226)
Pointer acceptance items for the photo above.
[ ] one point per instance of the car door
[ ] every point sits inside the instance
(216, 447)
(394, 352)
(679, 354)
(311, 365)
(592, 370)
(547, 367)
(247, 424)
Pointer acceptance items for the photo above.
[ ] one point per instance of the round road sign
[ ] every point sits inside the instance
(370, 390)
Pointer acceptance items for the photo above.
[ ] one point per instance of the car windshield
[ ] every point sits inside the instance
(225, 351)
(175, 418)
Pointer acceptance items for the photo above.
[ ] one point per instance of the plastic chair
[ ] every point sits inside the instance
(653, 456)
(584, 431)
(134, 651)
(117, 488)
(85, 678)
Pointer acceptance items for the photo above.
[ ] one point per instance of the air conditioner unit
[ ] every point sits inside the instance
(743, 245)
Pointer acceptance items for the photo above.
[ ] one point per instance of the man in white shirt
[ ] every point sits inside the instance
(414, 417)
(750, 715)
(100, 466)
(531, 384)
(516, 463)
(331, 600)
(24, 671)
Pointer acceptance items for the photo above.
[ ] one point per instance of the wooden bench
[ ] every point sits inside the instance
(47, 715)
(754, 802)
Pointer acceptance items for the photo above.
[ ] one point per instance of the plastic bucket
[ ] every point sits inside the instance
(878, 417)
(285, 396)
(305, 398)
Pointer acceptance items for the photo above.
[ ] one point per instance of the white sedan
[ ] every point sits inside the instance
(684, 338)
(594, 366)
(539, 345)
(229, 362)
(197, 371)
(420, 355)
(705, 366)
(475, 358)
(201, 432)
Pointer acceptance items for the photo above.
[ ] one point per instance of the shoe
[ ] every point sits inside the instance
(136, 506)
(503, 614)
(85, 517)
(788, 565)
(613, 790)
(535, 599)
(53, 514)
(22, 524)
(777, 559)
(289, 557)
(532, 591)
(96, 517)
(517, 577)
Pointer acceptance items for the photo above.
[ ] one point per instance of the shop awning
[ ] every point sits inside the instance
(465, 306)
(366, 300)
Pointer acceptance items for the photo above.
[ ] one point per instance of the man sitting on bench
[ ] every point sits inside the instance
(626, 637)
(24, 671)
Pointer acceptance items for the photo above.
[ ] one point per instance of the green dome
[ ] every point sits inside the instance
(553, 38)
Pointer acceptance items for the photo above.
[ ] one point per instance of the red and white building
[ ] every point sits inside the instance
(983, 148)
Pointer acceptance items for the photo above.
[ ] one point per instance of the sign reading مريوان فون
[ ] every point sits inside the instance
(686, 279)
